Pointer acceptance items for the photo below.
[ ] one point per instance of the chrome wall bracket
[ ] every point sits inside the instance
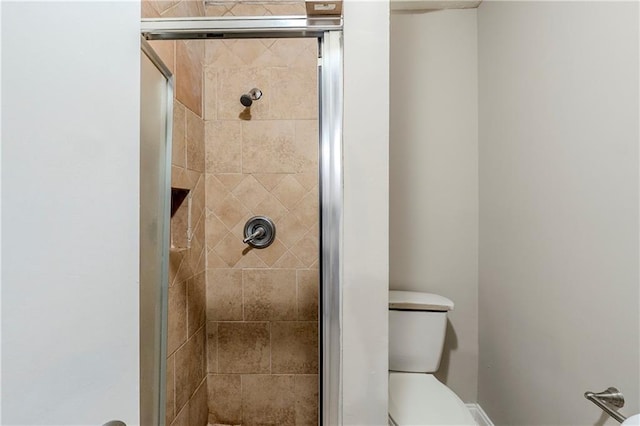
(608, 400)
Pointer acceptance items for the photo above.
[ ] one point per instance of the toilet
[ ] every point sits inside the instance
(417, 326)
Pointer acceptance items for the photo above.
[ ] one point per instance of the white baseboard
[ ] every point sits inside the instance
(479, 415)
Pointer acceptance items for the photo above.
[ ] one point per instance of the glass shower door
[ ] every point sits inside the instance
(156, 98)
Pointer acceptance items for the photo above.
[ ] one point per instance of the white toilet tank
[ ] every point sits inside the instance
(417, 327)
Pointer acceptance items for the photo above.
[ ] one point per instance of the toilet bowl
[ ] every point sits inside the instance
(417, 327)
(421, 399)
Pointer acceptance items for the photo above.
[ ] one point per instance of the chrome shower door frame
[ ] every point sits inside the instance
(331, 201)
(151, 345)
(328, 31)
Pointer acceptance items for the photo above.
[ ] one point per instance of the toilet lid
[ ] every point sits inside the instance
(418, 301)
(421, 399)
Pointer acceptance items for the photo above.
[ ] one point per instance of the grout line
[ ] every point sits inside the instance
(174, 389)
(241, 147)
(242, 277)
(186, 290)
(217, 349)
(184, 126)
(297, 296)
(173, 65)
(179, 412)
(215, 109)
(241, 399)
(270, 347)
(185, 342)
(168, 9)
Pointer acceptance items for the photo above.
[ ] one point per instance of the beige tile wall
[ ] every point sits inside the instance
(262, 305)
(186, 366)
(247, 320)
(186, 387)
(167, 9)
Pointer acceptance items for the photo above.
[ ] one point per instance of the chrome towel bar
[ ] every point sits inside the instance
(608, 399)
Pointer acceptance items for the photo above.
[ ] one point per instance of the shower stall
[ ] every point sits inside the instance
(247, 324)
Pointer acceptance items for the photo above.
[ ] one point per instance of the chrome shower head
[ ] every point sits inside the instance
(247, 99)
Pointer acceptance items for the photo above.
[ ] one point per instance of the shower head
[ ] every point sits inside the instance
(247, 99)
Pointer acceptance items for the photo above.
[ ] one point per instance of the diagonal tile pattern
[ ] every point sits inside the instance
(262, 305)
(237, 8)
(227, 213)
(243, 323)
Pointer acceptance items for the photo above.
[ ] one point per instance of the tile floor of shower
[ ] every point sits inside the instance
(243, 323)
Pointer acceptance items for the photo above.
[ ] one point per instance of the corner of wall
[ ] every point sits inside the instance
(366, 212)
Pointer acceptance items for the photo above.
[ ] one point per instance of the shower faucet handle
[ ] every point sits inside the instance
(259, 232)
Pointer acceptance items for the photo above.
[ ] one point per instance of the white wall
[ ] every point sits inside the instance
(366, 212)
(1, 275)
(434, 175)
(559, 299)
(70, 154)
(70, 166)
